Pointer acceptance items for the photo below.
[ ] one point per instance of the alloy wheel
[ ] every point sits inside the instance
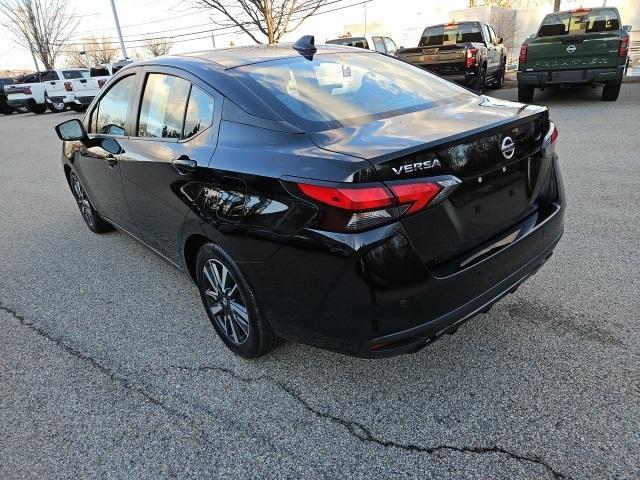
(225, 302)
(82, 200)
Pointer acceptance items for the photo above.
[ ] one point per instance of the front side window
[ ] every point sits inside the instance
(199, 113)
(163, 106)
(378, 44)
(110, 116)
(341, 89)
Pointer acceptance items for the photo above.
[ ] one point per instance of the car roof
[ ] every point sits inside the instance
(226, 58)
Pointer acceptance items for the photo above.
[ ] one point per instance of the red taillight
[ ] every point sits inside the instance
(417, 195)
(580, 10)
(357, 207)
(471, 56)
(623, 51)
(26, 90)
(101, 83)
(551, 137)
(351, 199)
(523, 54)
(68, 87)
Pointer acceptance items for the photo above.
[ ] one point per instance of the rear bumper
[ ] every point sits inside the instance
(83, 100)
(544, 78)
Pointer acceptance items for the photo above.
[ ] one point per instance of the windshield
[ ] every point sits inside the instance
(340, 89)
(579, 22)
(451, 34)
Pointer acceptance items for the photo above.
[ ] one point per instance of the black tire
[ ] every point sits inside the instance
(499, 76)
(232, 307)
(22, 110)
(93, 220)
(611, 91)
(57, 107)
(78, 108)
(6, 109)
(37, 108)
(525, 93)
(479, 84)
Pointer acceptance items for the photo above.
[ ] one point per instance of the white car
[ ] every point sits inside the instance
(42, 90)
(379, 43)
(84, 90)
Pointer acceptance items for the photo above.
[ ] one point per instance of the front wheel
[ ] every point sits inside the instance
(611, 91)
(93, 220)
(525, 93)
(38, 108)
(231, 304)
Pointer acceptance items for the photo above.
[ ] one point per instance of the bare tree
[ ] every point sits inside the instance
(271, 18)
(154, 47)
(94, 51)
(41, 26)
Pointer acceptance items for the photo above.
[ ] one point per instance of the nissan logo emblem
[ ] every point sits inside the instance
(508, 148)
(571, 48)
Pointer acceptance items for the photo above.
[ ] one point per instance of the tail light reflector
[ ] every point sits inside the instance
(68, 87)
(471, 56)
(27, 90)
(101, 83)
(523, 54)
(623, 51)
(551, 137)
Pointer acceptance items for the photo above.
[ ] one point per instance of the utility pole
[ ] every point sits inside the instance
(365, 18)
(115, 19)
(213, 40)
(556, 5)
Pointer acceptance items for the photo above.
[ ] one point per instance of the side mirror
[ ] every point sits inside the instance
(627, 28)
(500, 40)
(71, 130)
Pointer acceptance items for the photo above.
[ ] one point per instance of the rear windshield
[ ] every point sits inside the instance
(341, 89)
(451, 34)
(579, 22)
(73, 74)
(351, 42)
(99, 72)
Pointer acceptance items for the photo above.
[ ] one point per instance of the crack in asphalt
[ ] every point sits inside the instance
(364, 434)
(112, 374)
(354, 428)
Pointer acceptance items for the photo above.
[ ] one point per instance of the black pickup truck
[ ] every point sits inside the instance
(469, 53)
(4, 107)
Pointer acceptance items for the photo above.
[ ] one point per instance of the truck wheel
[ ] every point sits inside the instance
(22, 109)
(78, 108)
(57, 107)
(499, 78)
(37, 108)
(6, 109)
(479, 84)
(611, 91)
(525, 93)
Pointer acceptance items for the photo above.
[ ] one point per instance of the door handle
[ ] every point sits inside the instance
(111, 160)
(183, 165)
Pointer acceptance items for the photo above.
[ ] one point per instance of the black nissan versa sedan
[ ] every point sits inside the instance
(322, 194)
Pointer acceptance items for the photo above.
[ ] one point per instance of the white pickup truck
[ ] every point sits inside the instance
(42, 90)
(84, 90)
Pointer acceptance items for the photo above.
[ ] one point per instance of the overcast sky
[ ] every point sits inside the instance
(402, 19)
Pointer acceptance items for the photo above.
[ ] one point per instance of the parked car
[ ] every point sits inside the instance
(583, 46)
(37, 90)
(379, 43)
(4, 106)
(367, 215)
(470, 53)
(83, 90)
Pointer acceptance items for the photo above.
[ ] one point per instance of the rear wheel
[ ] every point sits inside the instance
(78, 108)
(57, 107)
(499, 77)
(611, 91)
(37, 108)
(93, 220)
(231, 304)
(6, 109)
(525, 93)
(479, 83)
(22, 109)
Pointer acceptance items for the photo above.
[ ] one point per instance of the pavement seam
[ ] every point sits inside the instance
(112, 374)
(354, 428)
(364, 434)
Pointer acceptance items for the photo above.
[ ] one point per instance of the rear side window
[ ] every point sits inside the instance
(199, 114)
(451, 34)
(110, 115)
(391, 46)
(163, 106)
(50, 76)
(579, 22)
(74, 74)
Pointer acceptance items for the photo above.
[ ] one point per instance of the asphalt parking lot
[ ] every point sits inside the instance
(109, 367)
